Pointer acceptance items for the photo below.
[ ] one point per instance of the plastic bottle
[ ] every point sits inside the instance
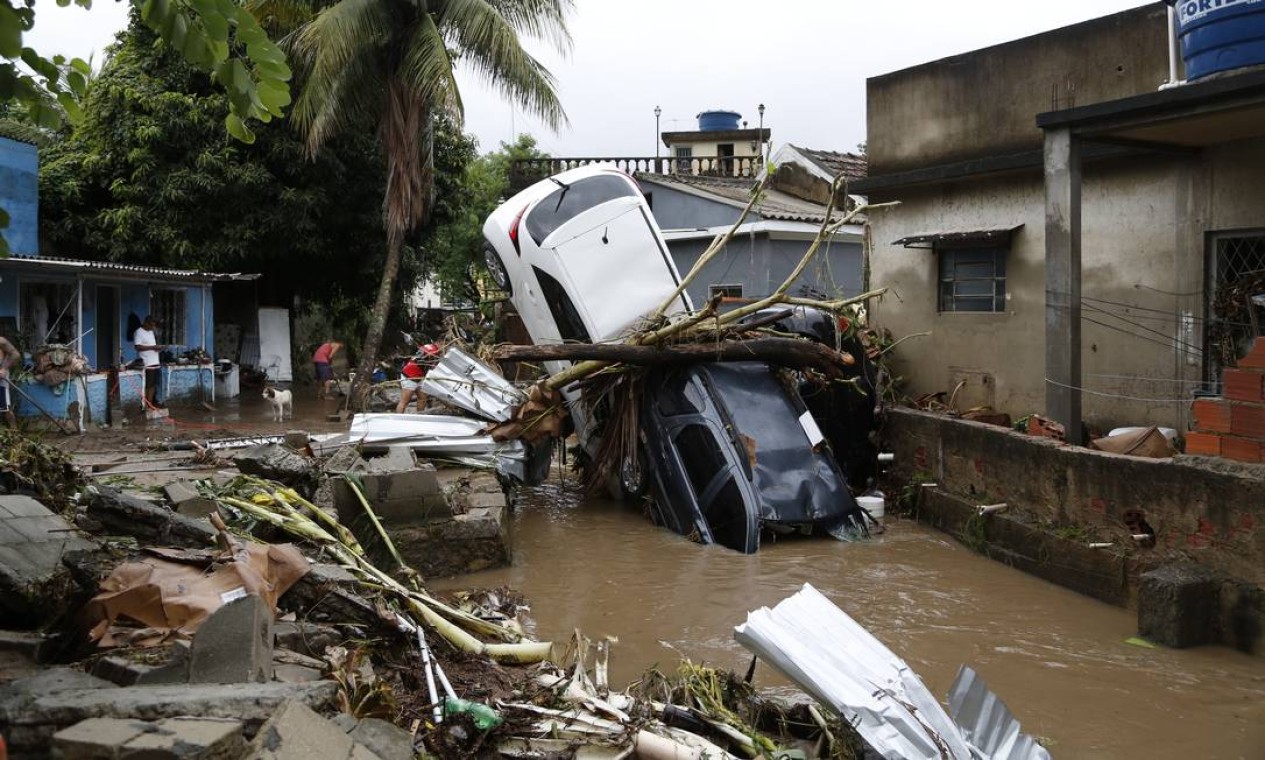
(485, 718)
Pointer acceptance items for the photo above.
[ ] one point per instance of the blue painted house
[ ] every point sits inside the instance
(93, 307)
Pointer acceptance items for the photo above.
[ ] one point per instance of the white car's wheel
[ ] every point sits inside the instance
(496, 269)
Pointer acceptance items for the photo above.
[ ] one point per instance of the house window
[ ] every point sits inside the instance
(972, 278)
(1237, 272)
(726, 292)
(168, 307)
(49, 311)
(683, 155)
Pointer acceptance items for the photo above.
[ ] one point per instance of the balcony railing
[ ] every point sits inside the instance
(524, 172)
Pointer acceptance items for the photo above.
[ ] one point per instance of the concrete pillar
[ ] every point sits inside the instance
(1063, 281)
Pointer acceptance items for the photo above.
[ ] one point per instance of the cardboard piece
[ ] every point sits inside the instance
(1147, 442)
(172, 593)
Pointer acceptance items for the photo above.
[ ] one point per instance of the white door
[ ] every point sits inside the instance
(274, 344)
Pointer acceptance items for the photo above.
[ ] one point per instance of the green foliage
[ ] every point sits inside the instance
(149, 177)
(454, 250)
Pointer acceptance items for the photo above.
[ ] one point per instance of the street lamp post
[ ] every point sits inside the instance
(760, 109)
(657, 111)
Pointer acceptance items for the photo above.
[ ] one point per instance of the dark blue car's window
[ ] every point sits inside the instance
(727, 517)
(700, 456)
(565, 203)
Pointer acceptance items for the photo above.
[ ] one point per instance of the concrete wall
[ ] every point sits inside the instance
(983, 103)
(1144, 269)
(19, 195)
(1207, 510)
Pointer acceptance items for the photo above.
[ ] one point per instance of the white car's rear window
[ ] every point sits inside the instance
(565, 203)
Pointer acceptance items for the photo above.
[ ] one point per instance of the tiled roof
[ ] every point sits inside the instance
(736, 191)
(850, 165)
(109, 268)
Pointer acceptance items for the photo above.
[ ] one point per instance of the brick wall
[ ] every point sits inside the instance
(1233, 426)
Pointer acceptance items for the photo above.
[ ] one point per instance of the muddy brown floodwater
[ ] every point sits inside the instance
(1058, 659)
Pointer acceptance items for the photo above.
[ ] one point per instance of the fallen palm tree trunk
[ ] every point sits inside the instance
(784, 352)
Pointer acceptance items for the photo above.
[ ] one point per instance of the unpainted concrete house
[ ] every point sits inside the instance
(1064, 221)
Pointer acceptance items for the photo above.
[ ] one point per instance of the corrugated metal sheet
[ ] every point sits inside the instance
(467, 383)
(51, 265)
(843, 666)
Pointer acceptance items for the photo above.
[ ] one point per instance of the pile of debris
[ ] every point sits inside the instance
(271, 612)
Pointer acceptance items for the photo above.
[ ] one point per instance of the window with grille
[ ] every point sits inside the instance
(684, 154)
(168, 307)
(972, 278)
(1236, 276)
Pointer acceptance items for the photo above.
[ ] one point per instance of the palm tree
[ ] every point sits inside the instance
(389, 63)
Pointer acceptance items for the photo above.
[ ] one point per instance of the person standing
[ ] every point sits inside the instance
(147, 348)
(411, 376)
(323, 361)
(9, 356)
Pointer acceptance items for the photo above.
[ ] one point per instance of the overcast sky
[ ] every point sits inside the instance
(805, 60)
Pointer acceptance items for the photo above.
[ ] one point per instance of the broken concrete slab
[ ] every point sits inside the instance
(477, 540)
(125, 515)
(347, 459)
(285, 672)
(1179, 605)
(330, 594)
(387, 740)
(305, 637)
(126, 672)
(184, 738)
(33, 712)
(33, 541)
(234, 645)
(297, 439)
(295, 732)
(187, 501)
(275, 462)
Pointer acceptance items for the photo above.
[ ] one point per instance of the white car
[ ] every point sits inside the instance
(581, 256)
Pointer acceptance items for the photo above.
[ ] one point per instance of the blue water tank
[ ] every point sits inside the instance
(718, 121)
(1220, 35)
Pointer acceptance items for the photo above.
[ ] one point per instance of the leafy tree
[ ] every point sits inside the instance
(149, 176)
(388, 65)
(455, 248)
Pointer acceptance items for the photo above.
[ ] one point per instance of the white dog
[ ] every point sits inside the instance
(282, 402)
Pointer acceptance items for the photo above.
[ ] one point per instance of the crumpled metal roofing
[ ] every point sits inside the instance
(736, 191)
(850, 165)
(114, 269)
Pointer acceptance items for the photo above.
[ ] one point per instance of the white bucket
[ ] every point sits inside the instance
(872, 504)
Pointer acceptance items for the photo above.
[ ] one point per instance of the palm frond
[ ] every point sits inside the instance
(541, 19)
(490, 43)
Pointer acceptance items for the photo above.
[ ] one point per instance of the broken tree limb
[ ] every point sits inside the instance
(784, 352)
(718, 244)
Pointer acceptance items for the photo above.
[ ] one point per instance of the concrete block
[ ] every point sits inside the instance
(1179, 605)
(387, 740)
(234, 645)
(494, 500)
(306, 638)
(396, 459)
(32, 543)
(295, 732)
(31, 723)
(275, 462)
(172, 738)
(289, 673)
(467, 543)
(345, 460)
(186, 500)
(96, 738)
(297, 439)
(126, 515)
(398, 498)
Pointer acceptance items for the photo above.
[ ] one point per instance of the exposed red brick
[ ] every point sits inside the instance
(1255, 358)
(1243, 384)
(1248, 420)
(1212, 415)
(1241, 449)
(1203, 444)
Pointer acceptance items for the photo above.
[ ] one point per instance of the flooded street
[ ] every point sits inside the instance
(1057, 658)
